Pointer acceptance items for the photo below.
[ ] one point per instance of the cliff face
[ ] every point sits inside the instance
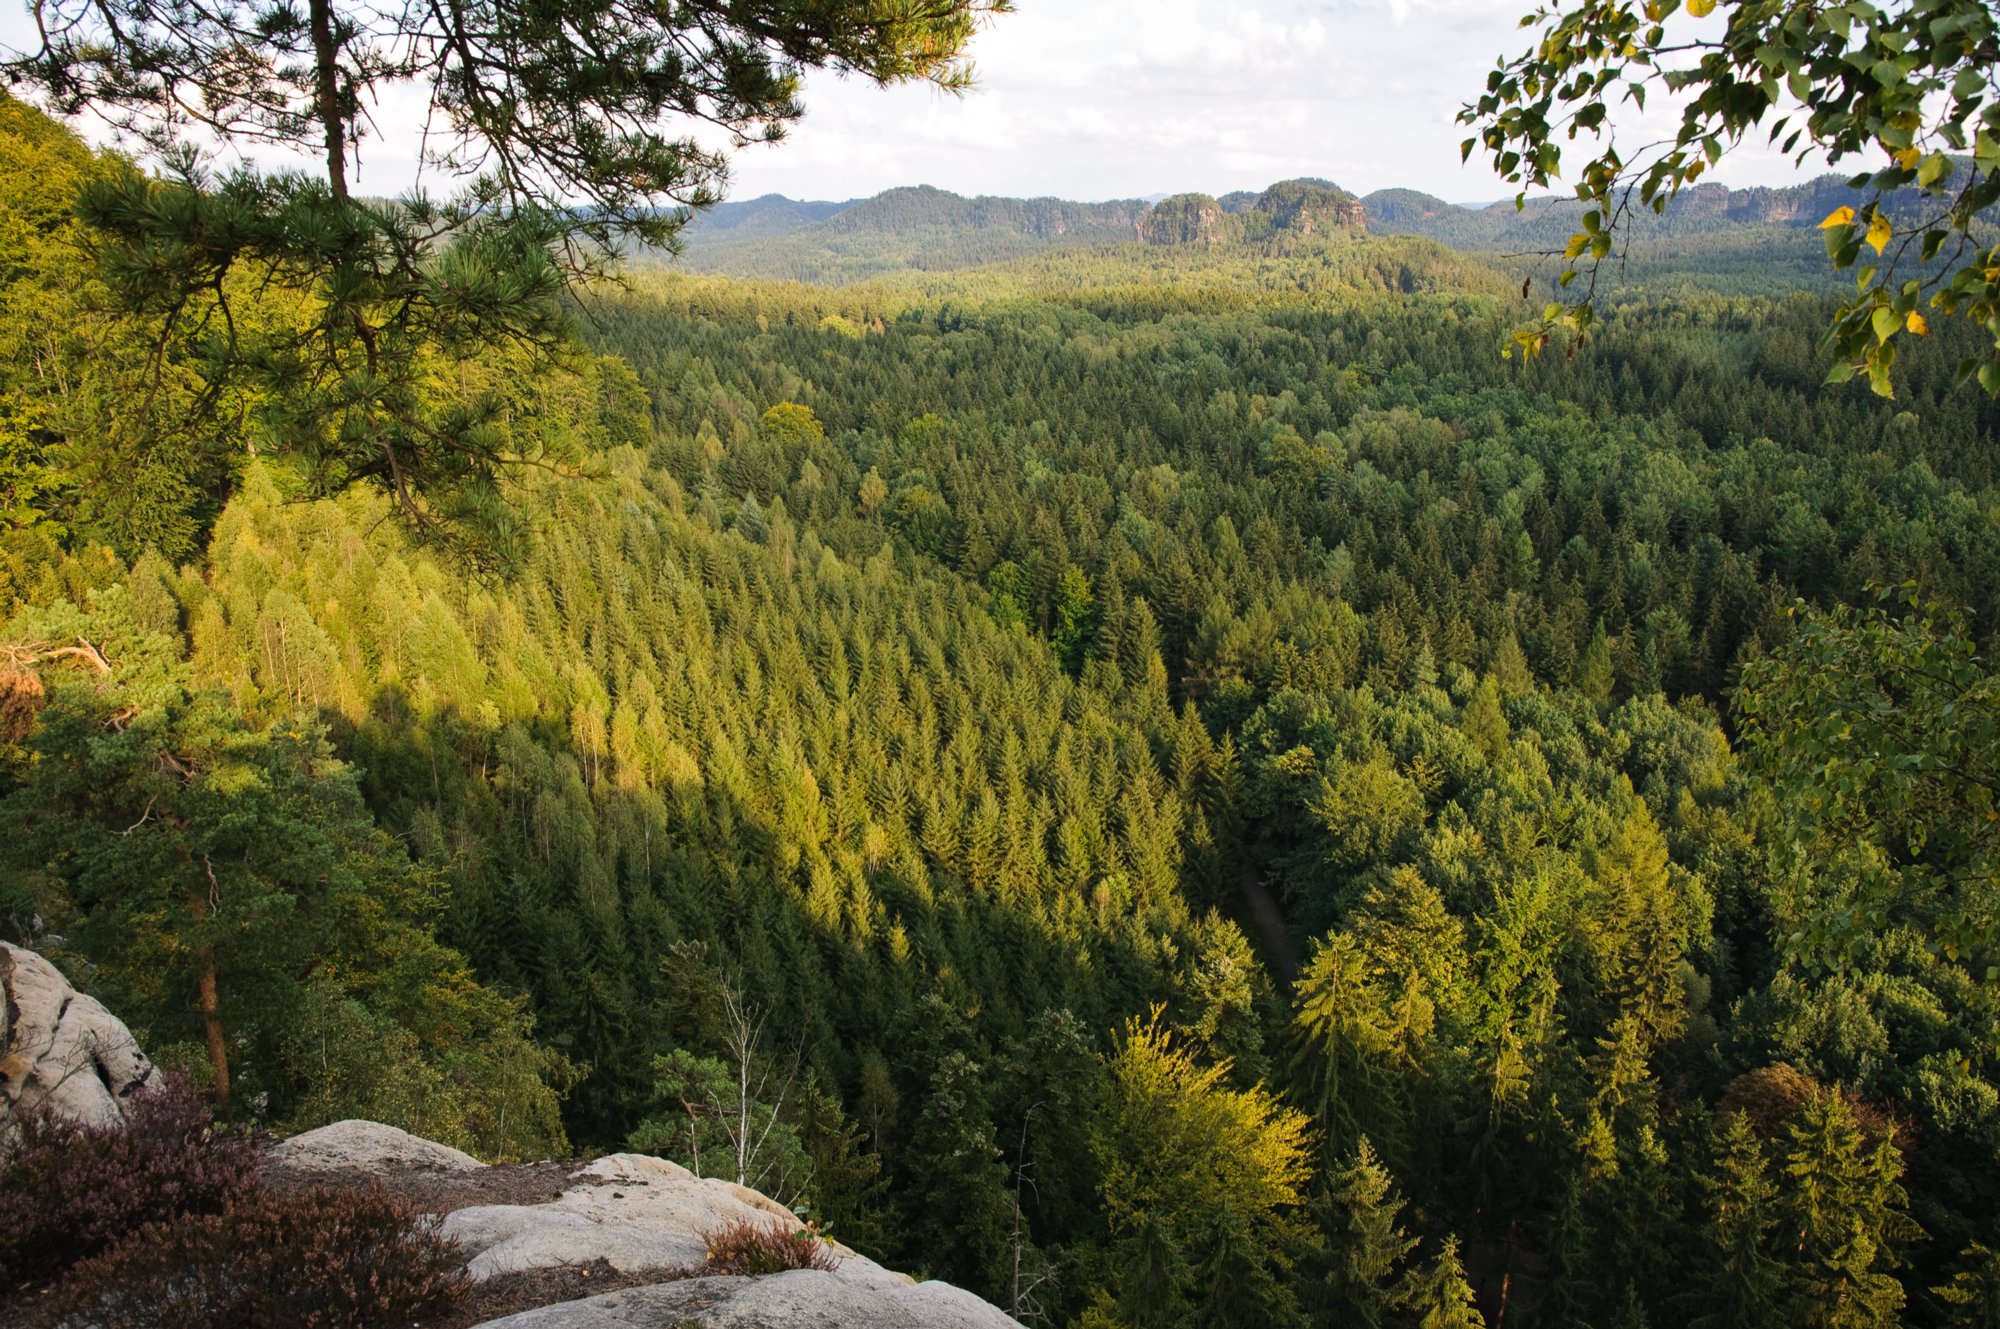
(1184, 219)
(1548, 221)
(1300, 207)
(1312, 207)
(921, 207)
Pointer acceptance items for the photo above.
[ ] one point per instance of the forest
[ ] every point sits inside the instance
(1197, 792)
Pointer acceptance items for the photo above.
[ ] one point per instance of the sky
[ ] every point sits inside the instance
(1093, 99)
(1096, 99)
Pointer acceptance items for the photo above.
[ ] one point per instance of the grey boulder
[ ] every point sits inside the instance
(799, 1299)
(366, 1145)
(61, 1050)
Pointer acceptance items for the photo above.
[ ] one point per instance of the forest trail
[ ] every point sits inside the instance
(1270, 921)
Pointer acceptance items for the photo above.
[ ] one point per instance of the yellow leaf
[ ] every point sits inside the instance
(1838, 217)
(1879, 232)
(1907, 157)
(1916, 323)
(1701, 8)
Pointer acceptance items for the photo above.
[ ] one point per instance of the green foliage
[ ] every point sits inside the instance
(1878, 732)
(848, 1195)
(1075, 619)
(1368, 1275)
(709, 1125)
(386, 343)
(96, 436)
(579, 135)
(905, 705)
(1744, 1279)
(1440, 1298)
(1197, 1177)
(228, 886)
(1911, 83)
(1973, 1294)
(1845, 1219)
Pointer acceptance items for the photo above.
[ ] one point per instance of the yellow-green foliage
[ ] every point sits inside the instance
(1202, 1180)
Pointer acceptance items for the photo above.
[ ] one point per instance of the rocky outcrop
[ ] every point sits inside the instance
(1312, 207)
(60, 1049)
(641, 1215)
(647, 1218)
(634, 1211)
(800, 1299)
(369, 1145)
(1184, 219)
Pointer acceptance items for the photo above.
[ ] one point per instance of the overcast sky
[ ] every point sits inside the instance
(1094, 99)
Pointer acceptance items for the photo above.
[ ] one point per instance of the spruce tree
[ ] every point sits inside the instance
(1367, 1248)
(1437, 1295)
(1846, 1221)
(1971, 1296)
(1744, 1283)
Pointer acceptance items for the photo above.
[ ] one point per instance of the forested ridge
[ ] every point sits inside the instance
(1746, 241)
(905, 688)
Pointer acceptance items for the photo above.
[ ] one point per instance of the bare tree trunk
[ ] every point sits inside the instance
(211, 1003)
(743, 1036)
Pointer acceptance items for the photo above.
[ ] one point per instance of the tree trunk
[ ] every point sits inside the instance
(211, 1004)
(326, 95)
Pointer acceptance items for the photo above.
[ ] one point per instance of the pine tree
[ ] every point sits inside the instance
(1075, 620)
(1595, 676)
(960, 1209)
(848, 1194)
(1510, 668)
(1484, 722)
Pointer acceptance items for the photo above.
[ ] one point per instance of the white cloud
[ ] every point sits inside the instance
(1116, 98)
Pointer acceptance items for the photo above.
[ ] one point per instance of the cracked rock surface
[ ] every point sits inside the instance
(61, 1049)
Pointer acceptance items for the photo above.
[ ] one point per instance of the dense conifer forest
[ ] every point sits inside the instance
(1193, 791)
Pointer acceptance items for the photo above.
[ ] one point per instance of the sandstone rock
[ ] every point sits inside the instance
(1184, 219)
(634, 1211)
(801, 1299)
(644, 1214)
(61, 1049)
(346, 1145)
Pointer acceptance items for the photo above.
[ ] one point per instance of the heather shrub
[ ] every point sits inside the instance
(318, 1258)
(771, 1246)
(69, 1191)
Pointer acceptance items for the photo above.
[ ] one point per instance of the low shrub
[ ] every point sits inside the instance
(315, 1258)
(68, 1191)
(768, 1246)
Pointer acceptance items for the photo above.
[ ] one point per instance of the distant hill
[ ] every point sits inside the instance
(925, 229)
(772, 214)
(914, 228)
(1771, 232)
(1547, 223)
(912, 210)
